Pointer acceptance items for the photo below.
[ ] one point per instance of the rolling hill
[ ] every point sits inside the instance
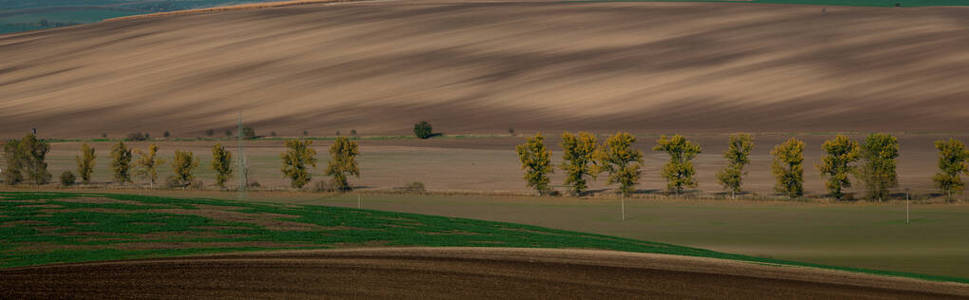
(378, 67)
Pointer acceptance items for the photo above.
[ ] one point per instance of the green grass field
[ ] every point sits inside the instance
(43, 228)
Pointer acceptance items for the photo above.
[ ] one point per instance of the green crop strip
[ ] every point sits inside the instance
(43, 228)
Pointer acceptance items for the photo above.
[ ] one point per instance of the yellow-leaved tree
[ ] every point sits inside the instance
(343, 162)
(579, 160)
(536, 162)
(296, 161)
(621, 161)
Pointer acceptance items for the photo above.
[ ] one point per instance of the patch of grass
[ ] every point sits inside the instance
(42, 228)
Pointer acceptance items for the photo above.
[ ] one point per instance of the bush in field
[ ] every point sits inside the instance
(953, 161)
(138, 136)
(323, 186)
(343, 162)
(738, 157)
(33, 159)
(840, 153)
(248, 133)
(228, 133)
(184, 164)
(296, 160)
(147, 164)
(787, 167)
(413, 187)
(537, 163)
(878, 166)
(578, 153)
(222, 164)
(85, 163)
(621, 161)
(166, 134)
(209, 132)
(121, 163)
(423, 130)
(13, 172)
(679, 171)
(67, 178)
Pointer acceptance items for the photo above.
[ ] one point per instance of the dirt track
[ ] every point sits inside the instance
(485, 67)
(454, 273)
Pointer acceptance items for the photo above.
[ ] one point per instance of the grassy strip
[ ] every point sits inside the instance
(43, 228)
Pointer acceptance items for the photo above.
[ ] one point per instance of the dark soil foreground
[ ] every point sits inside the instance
(453, 273)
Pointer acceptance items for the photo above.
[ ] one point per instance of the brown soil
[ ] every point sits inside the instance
(488, 66)
(454, 273)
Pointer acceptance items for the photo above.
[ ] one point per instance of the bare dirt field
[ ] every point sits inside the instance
(487, 66)
(455, 272)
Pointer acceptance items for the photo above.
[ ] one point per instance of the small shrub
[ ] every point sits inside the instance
(413, 187)
(104, 135)
(173, 182)
(322, 186)
(197, 185)
(138, 136)
(337, 133)
(305, 133)
(273, 133)
(248, 133)
(210, 132)
(228, 133)
(67, 178)
(511, 131)
(423, 130)
(254, 183)
(167, 134)
(353, 132)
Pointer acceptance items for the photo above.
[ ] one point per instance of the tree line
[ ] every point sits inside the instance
(26, 164)
(872, 162)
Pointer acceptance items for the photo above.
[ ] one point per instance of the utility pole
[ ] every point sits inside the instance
(243, 167)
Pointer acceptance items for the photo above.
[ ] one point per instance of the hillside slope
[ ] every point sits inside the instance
(484, 67)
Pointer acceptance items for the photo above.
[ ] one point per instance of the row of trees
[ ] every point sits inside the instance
(872, 162)
(26, 163)
(300, 156)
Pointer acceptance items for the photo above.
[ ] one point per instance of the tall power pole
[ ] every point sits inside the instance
(243, 166)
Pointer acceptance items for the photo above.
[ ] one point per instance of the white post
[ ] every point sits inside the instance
(906, 207)
(622, 203)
